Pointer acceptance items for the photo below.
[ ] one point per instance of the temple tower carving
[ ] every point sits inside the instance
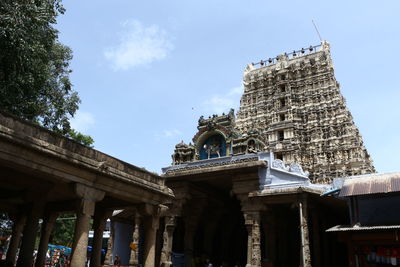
(291, 106)
(294, 102)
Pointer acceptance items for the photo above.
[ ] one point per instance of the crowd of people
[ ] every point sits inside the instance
(58, 256)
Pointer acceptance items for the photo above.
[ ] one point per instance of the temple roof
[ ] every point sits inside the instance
(371, 184)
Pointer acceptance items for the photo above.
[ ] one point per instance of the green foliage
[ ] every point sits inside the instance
(81, 138)
(63, 232)
(34, 65)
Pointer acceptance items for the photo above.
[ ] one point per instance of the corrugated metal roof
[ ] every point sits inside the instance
(347, 228)
(371, 184)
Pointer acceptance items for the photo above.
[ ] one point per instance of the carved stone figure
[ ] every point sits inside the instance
(296, 168)
(279, 164)
(212, 149)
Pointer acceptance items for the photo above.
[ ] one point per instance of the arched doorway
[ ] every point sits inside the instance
(220, 236)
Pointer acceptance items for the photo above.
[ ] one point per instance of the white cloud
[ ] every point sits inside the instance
(223, 103)
(218, 104)
(167, 134)
(170, 133)
(236, 91)
(82, 121)
(139, 45)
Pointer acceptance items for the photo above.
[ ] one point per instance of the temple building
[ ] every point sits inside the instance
(291, 106)
(249, 189)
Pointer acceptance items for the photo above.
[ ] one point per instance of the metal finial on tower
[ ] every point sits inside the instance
(316, 29)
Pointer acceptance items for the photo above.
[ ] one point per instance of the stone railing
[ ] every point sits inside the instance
(295, 54)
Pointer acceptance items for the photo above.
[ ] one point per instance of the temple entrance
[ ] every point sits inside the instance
(219, 235)
(281, 244)
(222, 213)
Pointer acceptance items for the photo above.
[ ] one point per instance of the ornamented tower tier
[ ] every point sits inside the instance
(293, 103)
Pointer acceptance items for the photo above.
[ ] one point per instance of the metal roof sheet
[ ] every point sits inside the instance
(347, 228)
(371, 184)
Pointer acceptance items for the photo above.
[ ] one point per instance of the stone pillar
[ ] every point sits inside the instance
(99, 223)
(18, 226)
(256, 241)
(304, 232)
(166, 260)
(134, 258)
(89, 196)
(47, 228)
(110, 245)
(25, 257)
(252, 221)
(150, 231)
(249, 244)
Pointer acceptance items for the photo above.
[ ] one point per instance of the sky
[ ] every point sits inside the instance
(147, 70)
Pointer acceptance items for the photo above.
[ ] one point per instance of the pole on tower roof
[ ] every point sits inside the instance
(316, 29)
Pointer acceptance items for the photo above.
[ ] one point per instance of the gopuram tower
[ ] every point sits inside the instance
(294, 102)
(292, 107)
(249, 183)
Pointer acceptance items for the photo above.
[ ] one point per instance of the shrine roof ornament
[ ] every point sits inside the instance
(291, 55)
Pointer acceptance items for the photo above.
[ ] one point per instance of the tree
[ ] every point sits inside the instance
(81, 138)
(63, 232)
(34, 66)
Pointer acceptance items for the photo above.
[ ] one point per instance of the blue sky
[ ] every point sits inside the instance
(147, 70)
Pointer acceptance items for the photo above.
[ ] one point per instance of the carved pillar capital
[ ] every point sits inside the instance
(144, 210)
(170, 221)
(250, 217)
(89, 196)
(88, 193)
(176, 206)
